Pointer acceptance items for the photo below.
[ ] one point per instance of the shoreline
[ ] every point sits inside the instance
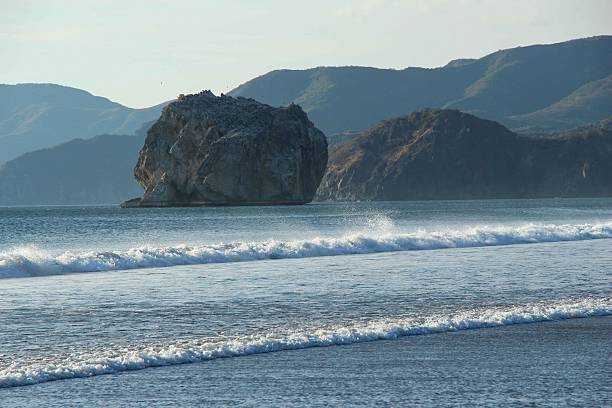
(484, 367)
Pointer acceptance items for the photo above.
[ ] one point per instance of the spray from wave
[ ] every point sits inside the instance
(124, 359)
(31, 262)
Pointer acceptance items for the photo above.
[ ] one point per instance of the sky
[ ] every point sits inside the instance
(141, 53)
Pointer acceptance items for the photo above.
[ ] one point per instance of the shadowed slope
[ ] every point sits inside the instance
(447, 154)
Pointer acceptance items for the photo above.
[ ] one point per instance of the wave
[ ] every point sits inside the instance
(26, 262)
(125, 359)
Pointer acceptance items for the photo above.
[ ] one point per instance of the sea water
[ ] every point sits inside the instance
(97, 292)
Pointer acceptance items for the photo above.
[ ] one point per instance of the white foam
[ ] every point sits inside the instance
(191, 351)
(26, 262)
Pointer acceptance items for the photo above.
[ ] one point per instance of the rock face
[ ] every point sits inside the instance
(447, 154)
(209, 150)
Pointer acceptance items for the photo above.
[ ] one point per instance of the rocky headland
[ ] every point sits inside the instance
(220, 150)
(448, 154)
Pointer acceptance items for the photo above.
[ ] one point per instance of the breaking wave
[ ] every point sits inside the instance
(26, 262)
(119, 359)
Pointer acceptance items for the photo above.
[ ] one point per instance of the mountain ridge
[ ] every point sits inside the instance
(98, 170)
(499, 86)
(347, 99)
(36, 116)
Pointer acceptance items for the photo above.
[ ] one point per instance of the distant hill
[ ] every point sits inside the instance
(556, 86)
(99, 170)
(35, 116)
(448, 154)
(585, 105)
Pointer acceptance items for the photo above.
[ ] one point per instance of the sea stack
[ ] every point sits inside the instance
(220, 150)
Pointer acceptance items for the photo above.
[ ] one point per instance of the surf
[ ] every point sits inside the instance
(29, 262)
(119, 359)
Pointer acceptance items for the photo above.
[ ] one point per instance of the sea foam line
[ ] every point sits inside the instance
(125, 359)
(26, 262)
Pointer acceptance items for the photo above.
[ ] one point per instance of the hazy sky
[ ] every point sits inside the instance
(140, 53)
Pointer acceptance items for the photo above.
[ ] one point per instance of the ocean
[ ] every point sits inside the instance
(432, 303)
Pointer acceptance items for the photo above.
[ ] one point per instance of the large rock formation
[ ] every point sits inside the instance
(447, 154)
(209, 150)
